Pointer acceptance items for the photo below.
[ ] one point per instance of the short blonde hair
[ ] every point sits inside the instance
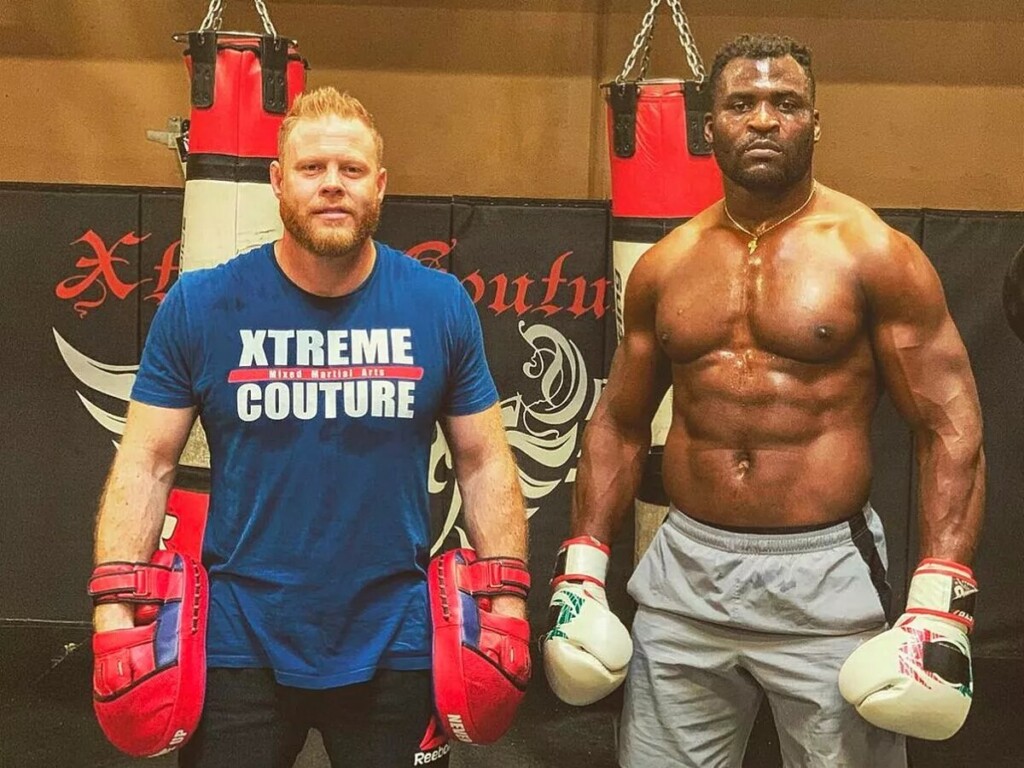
(325, 101)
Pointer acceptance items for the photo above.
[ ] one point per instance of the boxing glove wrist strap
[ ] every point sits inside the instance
(581, 559)
(943, 589)
(493, 576)
(124, 582)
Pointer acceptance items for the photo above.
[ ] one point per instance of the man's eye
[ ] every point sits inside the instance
(739, 106)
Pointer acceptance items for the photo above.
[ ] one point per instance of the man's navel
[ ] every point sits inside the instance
(743, 462)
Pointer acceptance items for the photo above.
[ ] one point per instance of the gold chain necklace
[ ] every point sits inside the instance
(761, 231)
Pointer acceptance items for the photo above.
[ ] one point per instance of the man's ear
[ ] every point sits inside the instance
(276, 176)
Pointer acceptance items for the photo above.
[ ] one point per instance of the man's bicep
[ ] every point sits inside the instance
(922, 358)
(637, 382)
(925, 373)
(640, 371)
(476, 436)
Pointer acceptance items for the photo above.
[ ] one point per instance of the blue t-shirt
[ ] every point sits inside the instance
(319, 413)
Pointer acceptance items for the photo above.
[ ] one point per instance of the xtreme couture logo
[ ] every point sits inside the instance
(355, 372)
(308, 374)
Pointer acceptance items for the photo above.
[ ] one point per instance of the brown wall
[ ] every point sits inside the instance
(920, 107)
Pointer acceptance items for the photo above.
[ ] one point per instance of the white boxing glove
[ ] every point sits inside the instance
(915, 678)
(587, 650)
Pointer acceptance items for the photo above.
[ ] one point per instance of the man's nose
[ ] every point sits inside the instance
(332, 180)
(764, 118)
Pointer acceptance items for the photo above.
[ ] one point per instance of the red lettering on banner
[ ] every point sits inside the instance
(166, 271)
(431, 252)
(475, 286)
(579, 286)
(501, 304)
(103, 274)
(552, 281)
(494, 292)
(499, 292)
(103, 277)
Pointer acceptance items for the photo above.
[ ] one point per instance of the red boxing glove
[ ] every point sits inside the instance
(481, 658)
(149, 681)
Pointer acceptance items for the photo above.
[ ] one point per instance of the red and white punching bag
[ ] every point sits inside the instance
(662, 173)
(242, 84)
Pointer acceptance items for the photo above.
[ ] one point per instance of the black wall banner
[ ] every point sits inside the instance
(71, 293)
(536, 272)
(84, 269)
(971, 251)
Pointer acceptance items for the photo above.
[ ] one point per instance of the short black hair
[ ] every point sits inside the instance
(761, 47)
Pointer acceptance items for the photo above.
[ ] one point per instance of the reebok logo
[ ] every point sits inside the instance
(423, 758)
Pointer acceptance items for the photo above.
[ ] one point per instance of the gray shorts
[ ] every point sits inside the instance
(726, 617)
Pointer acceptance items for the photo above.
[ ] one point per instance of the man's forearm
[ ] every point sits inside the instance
(952, 492)
(131, 511)
(608, 478)
(128, 525)
(494, 509)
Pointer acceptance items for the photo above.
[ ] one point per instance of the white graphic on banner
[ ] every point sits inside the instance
(543, 426)
(114, 381)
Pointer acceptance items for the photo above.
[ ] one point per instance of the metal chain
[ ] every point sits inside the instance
(642, 40)
(686, 38)
(646, 61)
(213, 14)
(216, 11)
(268, 25)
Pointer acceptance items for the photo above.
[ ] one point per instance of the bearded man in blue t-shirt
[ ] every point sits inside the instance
(319, 365)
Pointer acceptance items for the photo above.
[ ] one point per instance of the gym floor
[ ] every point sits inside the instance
(46, 719)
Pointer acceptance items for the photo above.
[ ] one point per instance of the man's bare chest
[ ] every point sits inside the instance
(804, 304)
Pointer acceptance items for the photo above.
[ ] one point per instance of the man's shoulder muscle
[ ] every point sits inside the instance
(880, 253)
(894, 273)
(673, 249)
(861, 225)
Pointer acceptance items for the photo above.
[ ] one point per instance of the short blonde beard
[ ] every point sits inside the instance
(331, 246)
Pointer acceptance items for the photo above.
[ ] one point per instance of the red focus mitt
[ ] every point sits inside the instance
(149, 681)
(481, 658)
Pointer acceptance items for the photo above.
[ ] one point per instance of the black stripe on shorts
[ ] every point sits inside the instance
(865, 543)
